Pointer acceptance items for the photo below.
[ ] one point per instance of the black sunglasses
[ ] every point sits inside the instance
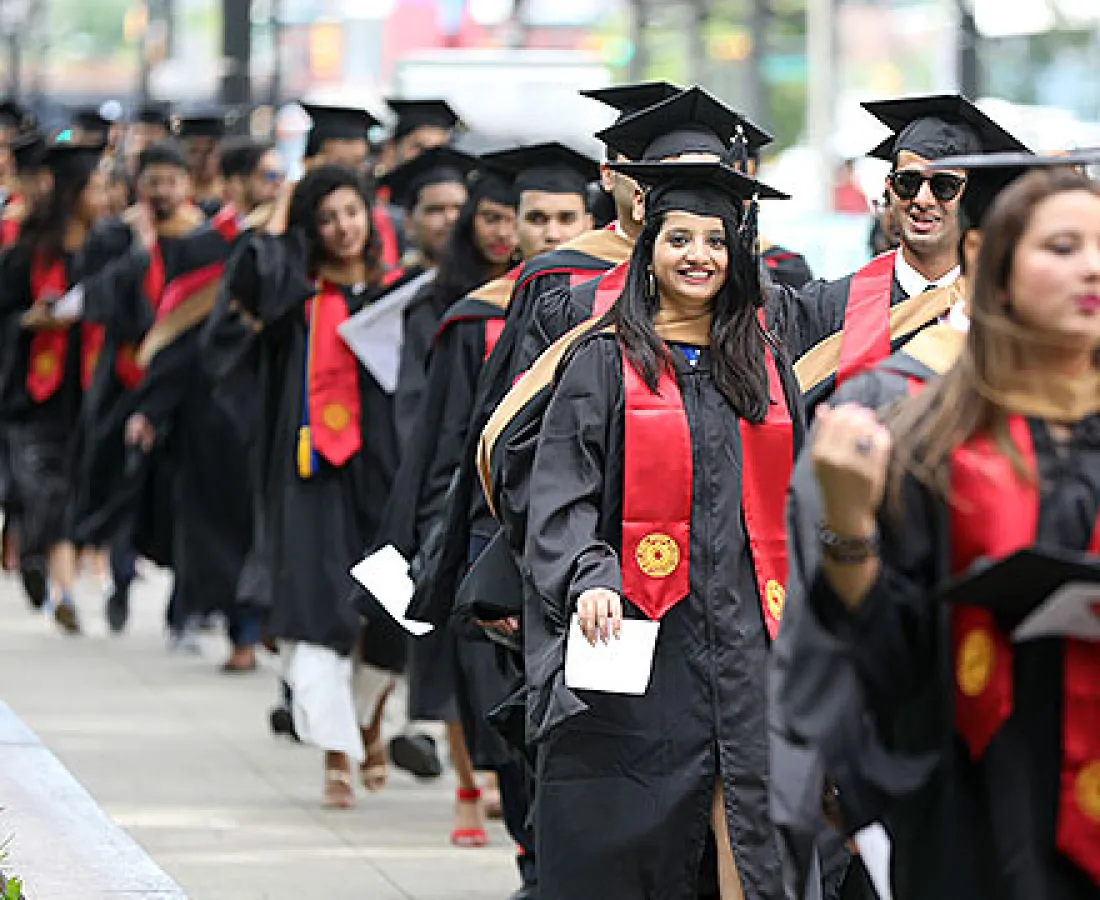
(944, 185)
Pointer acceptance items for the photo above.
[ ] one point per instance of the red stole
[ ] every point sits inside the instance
(331, 414)
(657, 482)
(993, 515)
(49, 349)
(609, 289)
(865, 339)
(493, 330)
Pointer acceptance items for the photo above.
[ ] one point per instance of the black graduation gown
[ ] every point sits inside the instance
(786, 267)
(212, 497)
(316, 529)
(39, 435)
(114, 485)
(966, 830)
(816, 713)
(817, 315)
(452, 676)
(625, 783)
(420, 321)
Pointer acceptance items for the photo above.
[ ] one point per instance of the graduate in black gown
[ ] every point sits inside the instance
(50, 363)
(326, 457)
(200, 133)
(432, 190)
(846, 326)
(990, 786)
(161, 241)
(814, 711)
(657, 493)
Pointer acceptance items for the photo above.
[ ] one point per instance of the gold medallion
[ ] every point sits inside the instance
(335, 416)
(657, 555)
(1087, 790)
(45, 364)
(775, 596)
(974, 666)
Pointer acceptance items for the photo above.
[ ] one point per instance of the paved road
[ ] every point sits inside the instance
(179, 755)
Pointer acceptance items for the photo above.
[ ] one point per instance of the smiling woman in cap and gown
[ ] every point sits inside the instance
(991, 786)
(657, 493)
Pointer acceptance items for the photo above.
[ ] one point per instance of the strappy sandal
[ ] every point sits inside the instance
(469, 837)
(339, 793)
(374, 772)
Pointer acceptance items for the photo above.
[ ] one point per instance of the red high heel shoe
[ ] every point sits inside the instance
(469, 837)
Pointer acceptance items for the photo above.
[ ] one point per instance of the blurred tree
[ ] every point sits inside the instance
(84, 29)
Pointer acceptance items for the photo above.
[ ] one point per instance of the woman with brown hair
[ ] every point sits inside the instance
(325, 450)
(1000, 454)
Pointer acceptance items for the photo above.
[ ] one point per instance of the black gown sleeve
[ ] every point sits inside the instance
(421, 321)
(114, 295)
(565, 554)
(451, 382)
(164, 388)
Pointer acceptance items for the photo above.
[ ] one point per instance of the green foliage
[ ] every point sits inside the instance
(14, 890)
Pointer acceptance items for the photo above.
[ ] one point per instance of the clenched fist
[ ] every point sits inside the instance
(850, 452)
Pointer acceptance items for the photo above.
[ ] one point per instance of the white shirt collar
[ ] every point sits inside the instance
(957, 317)
(912, 282)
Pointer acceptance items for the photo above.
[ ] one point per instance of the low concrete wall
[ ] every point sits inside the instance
(64, 846)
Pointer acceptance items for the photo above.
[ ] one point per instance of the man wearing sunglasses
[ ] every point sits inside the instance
(252, 174)
(849, 325)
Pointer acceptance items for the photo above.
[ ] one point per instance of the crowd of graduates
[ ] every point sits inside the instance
(720, 578)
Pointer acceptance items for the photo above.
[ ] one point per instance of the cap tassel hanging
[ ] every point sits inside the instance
(748, 239)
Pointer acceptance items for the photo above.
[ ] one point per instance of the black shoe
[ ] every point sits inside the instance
(527, 892)
(282, 723)
(118, 609)
(34, 583)
(416, 754)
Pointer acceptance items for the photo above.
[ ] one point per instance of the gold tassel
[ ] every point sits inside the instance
(305, 453)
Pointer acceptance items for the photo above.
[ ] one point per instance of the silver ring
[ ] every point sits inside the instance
(865, 445)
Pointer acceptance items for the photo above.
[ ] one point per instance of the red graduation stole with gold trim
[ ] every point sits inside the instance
(993, 515)
(865, 339)
(330, 406)
(49, 349)
(657, 481)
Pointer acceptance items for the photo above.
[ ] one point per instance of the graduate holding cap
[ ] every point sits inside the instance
(672, 424)
(999, 454)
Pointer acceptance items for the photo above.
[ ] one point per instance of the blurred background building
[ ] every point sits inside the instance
(512, 67)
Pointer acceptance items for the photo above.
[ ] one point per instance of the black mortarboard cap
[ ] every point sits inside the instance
(628, 99)
(29, 151)
(438, 165)
(702, 188)
(14, 115)
(413, 114)
(209, 123)
(693, 121)
(153, 113)
(1016, 586)
(92, 121)
(552, 168)
(987, 174)
(338, 123)
(938, 125)
(66, 157)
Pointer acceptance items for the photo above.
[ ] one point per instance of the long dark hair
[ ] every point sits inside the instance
(44, 229)
(306, 200)
(737, 339)
(464, 267)
(968, 399)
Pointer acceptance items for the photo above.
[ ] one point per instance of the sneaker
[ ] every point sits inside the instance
(417, 755)
(118, 608)
(34, 585)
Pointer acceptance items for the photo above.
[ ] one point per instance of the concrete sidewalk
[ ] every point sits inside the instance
(179, 755)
